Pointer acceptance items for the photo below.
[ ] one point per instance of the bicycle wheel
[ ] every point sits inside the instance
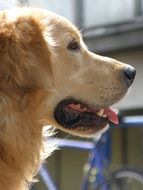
(126, 179)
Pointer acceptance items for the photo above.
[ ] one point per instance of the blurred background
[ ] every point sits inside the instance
(112, 28)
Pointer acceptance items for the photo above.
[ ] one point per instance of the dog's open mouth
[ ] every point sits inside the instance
(75, 115)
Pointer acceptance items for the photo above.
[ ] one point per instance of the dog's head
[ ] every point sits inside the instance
(40, 50)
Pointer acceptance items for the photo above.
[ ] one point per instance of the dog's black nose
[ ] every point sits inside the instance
(130, 74)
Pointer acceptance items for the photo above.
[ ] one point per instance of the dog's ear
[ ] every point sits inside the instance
(12, 53)
(24, 52)
(28, 29)
(23, 30)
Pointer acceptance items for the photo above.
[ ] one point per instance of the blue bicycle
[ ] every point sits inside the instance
(97, 175)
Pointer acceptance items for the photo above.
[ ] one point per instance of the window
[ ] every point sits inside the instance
(90, 13)
(62, 7)
(103, 12)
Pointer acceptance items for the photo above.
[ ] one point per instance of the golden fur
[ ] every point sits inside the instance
(36, 72)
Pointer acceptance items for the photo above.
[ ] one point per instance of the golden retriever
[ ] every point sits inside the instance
(48, 76)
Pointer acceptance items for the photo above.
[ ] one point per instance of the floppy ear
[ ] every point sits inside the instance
(24, 53)
(31, 34)
(31, 30)
(11, 55)
(27, 29)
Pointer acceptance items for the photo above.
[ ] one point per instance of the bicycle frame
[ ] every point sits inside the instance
(94, 168)
(44, 173)
(95, 160)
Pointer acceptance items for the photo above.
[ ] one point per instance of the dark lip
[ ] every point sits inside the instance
(82, 121)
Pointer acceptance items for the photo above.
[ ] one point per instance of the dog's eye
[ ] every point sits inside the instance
(73, 45)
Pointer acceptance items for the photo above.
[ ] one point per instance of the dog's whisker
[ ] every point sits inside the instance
(85, 34)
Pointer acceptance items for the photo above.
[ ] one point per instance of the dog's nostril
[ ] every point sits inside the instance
(129, 73)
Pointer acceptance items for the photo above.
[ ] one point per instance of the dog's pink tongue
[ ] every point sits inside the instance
(111, 115)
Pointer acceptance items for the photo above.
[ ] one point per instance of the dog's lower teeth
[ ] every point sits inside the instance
(100, 112)
(104, 116)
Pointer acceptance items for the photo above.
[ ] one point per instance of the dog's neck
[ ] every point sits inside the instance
(20, 140)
